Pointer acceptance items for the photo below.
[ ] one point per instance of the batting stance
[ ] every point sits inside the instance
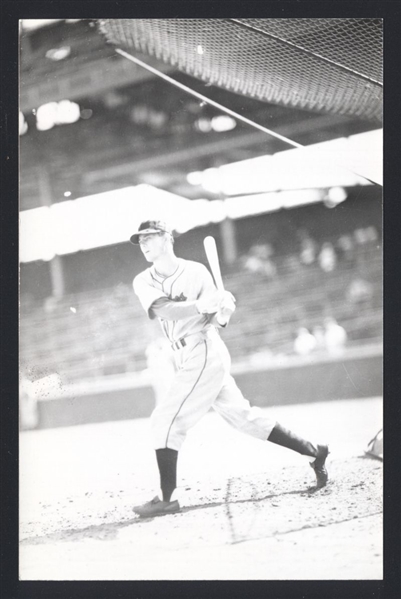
(182, 295)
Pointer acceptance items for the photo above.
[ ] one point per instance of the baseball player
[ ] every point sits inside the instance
(182, 295)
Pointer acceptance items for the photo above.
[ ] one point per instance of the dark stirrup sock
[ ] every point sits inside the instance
(285, 438)
(167, 462)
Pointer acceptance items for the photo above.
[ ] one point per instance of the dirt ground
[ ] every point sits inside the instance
(249, 509)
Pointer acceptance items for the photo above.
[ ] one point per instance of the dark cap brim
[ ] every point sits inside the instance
(135, 237)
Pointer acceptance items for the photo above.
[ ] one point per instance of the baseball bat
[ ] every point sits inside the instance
(213, 259)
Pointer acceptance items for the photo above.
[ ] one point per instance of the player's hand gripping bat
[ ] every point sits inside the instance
(226, 299)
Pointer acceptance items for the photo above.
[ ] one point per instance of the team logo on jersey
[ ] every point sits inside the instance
(180, 298)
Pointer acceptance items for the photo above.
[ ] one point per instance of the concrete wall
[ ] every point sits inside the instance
(353, 377)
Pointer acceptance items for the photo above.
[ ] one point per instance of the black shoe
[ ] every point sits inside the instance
(156, 507)
(319, 466)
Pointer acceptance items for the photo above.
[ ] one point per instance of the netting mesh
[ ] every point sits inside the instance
(328, 65)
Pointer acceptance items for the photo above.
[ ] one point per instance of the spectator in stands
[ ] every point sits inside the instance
(365, 238)
(308, 248)
(335, 336)
(259, 260)
(327, 257)
(359, 291)
(318, 333)
(304, 342)
(365, 235)
(346, 248)
(371, 234)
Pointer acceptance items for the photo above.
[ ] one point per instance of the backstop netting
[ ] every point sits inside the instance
(325, 65)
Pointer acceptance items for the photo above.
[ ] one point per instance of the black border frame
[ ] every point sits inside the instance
(11, 12)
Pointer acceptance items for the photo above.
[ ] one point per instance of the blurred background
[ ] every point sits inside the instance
(105, 144)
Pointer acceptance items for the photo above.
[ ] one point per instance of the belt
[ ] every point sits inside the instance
(180, 343)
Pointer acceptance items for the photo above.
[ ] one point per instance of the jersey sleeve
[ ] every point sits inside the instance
(147, 294)
(171, 310)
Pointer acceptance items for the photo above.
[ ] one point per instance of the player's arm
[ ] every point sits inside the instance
(158, 305)
(147, 294)
(226, 309)
(169, 309)
(220, 310)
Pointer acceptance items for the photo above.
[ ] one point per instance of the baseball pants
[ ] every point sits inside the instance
(203, 381)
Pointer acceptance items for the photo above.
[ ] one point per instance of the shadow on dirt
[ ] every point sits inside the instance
(109, 531)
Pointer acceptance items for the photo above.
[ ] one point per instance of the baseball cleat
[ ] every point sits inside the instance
(156, 507)
(319, 466)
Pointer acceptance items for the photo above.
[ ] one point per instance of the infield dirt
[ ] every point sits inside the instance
(249, 510)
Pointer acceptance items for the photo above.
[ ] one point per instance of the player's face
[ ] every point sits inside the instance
(152, 246)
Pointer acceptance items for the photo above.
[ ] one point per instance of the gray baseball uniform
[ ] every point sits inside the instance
(203, 377)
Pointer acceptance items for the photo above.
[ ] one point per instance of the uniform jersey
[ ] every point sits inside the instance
(202, 379)
(188, 283)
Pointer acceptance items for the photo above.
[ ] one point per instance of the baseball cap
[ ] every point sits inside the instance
(150, 226)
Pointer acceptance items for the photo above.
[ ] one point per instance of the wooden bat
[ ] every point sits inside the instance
(213, 259)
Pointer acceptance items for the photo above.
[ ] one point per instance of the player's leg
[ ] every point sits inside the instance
(195, 386)
(238, 412)
(167, 464)
(190, 397)
(290, 440)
